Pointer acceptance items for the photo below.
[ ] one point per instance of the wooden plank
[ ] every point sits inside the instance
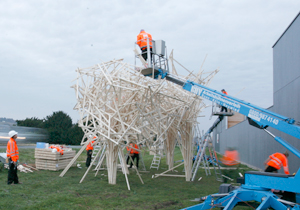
(170, 175)
(49, 155)
(53, 165)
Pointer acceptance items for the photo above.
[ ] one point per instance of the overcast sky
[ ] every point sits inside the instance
(42, 43)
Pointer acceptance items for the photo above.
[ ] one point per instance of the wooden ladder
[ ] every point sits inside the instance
(214, 160)
(156, 161)
(95, 152)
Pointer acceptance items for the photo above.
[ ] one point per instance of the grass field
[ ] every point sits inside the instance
(46, 190)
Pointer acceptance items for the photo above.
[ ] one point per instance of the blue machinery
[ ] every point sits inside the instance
(258, 185)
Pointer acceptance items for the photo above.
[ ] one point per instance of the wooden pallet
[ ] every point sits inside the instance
(52, 165)
(54, 161)
(49, 155)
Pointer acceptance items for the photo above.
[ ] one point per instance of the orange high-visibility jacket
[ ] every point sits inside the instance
(12, 150)
(130, 150)
(142, 39)
(135, 151)
(278, 160)
(89, 146)
(230, 158)
(224, 92)
(61, 151)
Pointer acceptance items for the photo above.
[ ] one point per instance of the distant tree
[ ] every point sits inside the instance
(75, 135)
(31, 122)
(58, 125)
(58, 120)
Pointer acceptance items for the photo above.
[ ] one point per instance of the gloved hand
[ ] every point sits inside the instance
(16, 164)
(10, 162)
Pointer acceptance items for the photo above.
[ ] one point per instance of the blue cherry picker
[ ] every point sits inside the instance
(257, 185)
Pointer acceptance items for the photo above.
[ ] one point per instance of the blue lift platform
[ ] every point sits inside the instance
(257, 185)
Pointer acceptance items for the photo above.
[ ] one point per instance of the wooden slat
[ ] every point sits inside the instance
(53, 165)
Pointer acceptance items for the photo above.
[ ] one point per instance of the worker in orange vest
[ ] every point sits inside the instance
(223, 107)
(12, 153)
(135, 155)
(142, 43)
(276, 161)
(230, 157)
(58, 149)
(89, 152)
(129, 151)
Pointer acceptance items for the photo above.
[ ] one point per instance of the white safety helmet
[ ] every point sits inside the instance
(12, 133)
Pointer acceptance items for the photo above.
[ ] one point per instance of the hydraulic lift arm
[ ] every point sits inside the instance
(257, 184)
(257, 116)
(262, 117)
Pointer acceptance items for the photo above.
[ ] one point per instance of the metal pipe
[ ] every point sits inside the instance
(148, 53)
(284, 143)
(286, 202)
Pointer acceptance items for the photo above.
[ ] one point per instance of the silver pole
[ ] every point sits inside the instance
(148, 53)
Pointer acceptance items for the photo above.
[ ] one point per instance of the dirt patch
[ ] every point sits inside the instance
(164, 204)
(110, 195)
(123, 196)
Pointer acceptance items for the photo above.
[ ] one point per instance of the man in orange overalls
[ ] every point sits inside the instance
(231, 157)
(142, 43)
(135, 155)
(130, 152)
(12, 153)
(89, 152)
(276, 161)
(223, 107)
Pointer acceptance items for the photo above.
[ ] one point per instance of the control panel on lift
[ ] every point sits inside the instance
(158, 64)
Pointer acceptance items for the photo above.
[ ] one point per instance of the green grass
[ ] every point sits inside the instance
(46, 190)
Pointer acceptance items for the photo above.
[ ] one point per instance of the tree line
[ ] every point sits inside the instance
(59, 126)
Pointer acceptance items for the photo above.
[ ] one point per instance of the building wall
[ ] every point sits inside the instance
(235, 119)
(253, 144)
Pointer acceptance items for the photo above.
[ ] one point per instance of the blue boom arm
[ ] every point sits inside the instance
(262, 116)
(257, 184)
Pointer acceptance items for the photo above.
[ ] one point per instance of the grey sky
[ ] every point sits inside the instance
(43, 42)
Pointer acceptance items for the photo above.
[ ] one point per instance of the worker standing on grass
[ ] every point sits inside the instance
(142, 43)
(276, 161)
(89, 152)
(12, 153)
(135, 155)
(223, 107)
(231, 157)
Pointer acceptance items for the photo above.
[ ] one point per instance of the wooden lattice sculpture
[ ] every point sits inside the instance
(119, 105)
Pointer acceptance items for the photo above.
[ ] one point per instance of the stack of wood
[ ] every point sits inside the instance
(49, 159)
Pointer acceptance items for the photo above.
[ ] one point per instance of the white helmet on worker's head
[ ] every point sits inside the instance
(12, 133)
